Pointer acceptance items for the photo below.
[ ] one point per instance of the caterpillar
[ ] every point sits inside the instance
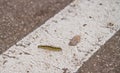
(51, 48)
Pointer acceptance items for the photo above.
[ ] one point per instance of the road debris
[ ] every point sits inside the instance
(65, 70)
(75, 40)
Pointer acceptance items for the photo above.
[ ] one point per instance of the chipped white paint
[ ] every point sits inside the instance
(26, 57)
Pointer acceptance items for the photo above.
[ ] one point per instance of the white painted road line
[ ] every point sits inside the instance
(102, 21)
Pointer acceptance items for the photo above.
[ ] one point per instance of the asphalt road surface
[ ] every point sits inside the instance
(106, 59)
(20, 17)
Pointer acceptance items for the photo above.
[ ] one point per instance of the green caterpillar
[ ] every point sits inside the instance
(51, 48)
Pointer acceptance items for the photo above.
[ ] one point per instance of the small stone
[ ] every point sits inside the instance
(65, 70)
(84, 25)
(110, 24)
(75, 40)
(100, 3)
(90, 17)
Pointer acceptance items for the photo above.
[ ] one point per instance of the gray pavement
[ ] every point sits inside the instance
(20, 17)
(106, 59)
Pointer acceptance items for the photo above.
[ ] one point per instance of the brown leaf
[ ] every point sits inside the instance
(75, 40)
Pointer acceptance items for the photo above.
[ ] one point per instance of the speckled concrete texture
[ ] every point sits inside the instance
(19, 17)
(106, 59)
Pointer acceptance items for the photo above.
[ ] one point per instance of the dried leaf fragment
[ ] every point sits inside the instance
(75, 40)
(51, 48)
